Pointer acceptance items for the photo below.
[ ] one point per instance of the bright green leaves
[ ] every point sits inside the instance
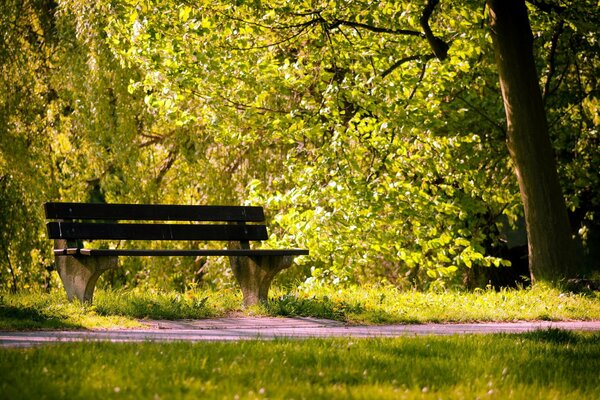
(344, 128)
(184, 13)
(412, 220)
(386, 163)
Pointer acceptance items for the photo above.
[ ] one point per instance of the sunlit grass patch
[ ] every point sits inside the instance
(53, 311)
(389, 305)
(112, 308)
(539, 365)
(356, 305)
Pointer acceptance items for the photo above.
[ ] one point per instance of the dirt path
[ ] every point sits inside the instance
(249, 328)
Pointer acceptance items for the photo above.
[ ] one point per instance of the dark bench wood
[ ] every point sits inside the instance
(79, 267)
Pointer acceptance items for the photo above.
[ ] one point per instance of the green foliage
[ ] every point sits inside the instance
(388, 163)
(376, 146)
(570, 63)
(24, 47)
(505, 366)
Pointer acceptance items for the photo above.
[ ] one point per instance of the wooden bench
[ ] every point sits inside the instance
(79, 267)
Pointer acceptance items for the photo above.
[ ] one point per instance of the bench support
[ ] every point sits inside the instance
(80, 273)
(255, 274)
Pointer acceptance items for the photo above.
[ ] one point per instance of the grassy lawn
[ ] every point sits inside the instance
(549, 364)
(362, 305)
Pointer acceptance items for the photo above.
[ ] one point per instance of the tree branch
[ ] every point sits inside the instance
(421, 76)
(336, 23)
(551, 57)
(439, 47)
(241, 106)
(394, 66)
(167, 164)
(483, 114)
(546, 7)
(273, 27)
(268, 45)
(153, 139)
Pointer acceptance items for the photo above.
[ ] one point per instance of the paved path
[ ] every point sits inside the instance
(244, 328)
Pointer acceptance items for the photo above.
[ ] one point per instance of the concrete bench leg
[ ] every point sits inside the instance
(80, 273)
(255, 274)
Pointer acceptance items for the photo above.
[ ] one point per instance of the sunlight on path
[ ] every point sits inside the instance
(251, 328)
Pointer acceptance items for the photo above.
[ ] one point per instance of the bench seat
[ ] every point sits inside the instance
(71, 224)
(176, 252)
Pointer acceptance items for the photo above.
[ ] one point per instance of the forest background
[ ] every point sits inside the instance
(373, 142)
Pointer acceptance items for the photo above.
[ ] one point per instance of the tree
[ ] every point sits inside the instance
(375, 125)
(551, 252)
(69, 128)
(378, 110)
(26, 44)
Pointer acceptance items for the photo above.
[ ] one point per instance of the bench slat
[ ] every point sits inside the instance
(153, 212)
(108, 231)
(199, 252)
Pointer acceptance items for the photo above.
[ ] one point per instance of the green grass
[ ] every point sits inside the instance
(548, 364)
(387, 305)
(358, 305)
(26, 311)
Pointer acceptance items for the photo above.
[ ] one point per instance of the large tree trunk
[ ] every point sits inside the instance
(551, 248)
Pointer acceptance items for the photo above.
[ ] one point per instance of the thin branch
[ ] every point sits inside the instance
(547, 7)
(241, 106)
(273, 27)
(561, 78)
(382, 166)
(167, 164)
(237, 105)
(152, 139)
(306, 14)
(336, 23)
(484, 115)
(551, 59)
(414, 89)
(346, 36)
(394, 66)
(268, 45)
(582, 92)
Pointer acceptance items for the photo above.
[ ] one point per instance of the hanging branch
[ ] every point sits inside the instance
(381, 168)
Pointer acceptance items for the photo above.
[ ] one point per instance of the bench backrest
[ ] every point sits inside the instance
(89, 221)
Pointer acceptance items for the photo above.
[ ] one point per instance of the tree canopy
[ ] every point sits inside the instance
(373, 132)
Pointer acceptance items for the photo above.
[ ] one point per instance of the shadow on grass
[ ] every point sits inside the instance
(327, 308)
(553, 336)
(19, 318)
(151, 306)
(324, 307)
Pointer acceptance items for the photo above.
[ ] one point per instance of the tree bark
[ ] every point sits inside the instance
(551, 248)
